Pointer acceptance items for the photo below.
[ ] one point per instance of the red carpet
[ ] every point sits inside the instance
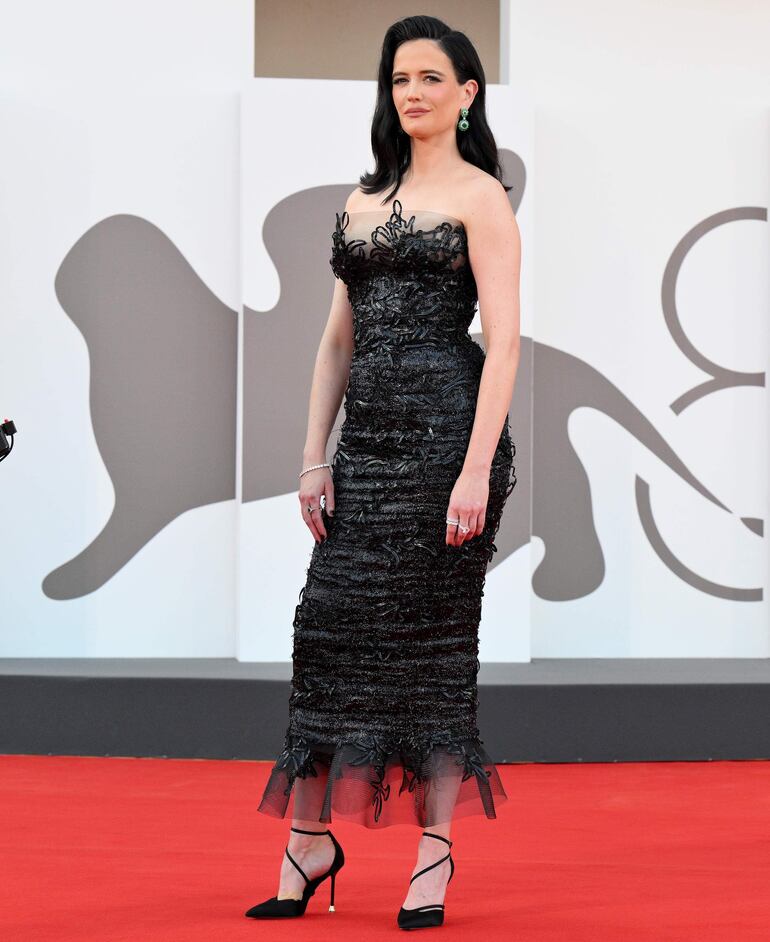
(109, 849)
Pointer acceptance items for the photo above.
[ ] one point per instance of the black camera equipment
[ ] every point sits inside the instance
(7, 429)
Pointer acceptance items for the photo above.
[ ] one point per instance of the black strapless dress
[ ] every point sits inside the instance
(382, 715)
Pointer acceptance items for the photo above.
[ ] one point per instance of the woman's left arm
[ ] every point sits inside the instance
(494, 252)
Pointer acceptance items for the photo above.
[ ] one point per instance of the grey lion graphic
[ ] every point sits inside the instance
(163, 363)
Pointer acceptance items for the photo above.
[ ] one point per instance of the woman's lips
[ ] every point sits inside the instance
(415, 114)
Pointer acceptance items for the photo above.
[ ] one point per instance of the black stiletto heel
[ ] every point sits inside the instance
(276, 908)
(432, 914)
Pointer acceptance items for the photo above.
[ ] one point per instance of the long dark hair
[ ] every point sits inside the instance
(390, 144)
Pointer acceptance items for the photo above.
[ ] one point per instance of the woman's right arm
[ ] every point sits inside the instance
(330, 378)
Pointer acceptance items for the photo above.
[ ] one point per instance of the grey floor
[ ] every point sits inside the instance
(561, 671)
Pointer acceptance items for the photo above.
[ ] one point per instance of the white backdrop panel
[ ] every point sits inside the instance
(638, 179)
(171, 160)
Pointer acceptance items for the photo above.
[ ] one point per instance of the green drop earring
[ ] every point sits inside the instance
(463, 124)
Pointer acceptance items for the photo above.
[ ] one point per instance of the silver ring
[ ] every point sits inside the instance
(452, 521)
(311, 510)
(464, 529)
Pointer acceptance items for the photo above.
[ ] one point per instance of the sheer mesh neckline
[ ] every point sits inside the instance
(401, 212)
(366, 241)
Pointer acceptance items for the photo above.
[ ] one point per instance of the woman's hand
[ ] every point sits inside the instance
(313, 487)
(468, 504)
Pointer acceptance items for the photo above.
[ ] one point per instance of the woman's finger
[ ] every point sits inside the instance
(454, 533)
(311, 518)
(464, 529)
(329, 506)
(318, 515)
(451, 528)
(472, 518)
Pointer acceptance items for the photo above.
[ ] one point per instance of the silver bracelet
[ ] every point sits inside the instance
(313, 467)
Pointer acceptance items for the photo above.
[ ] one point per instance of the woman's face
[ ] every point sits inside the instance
(423, 79)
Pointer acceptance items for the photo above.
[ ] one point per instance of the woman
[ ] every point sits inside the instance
(382, 726)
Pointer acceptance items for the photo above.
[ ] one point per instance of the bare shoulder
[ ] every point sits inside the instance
(351, 204)
(484, 198)
(360, 202)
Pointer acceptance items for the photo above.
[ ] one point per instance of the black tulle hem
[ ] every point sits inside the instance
(376, 783)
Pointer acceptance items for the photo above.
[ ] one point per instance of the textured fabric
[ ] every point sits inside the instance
(382, 716)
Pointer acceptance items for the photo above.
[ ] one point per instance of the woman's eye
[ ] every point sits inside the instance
(434, 77)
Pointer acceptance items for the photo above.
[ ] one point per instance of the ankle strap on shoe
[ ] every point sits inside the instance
(438, 837)
(301, 831)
